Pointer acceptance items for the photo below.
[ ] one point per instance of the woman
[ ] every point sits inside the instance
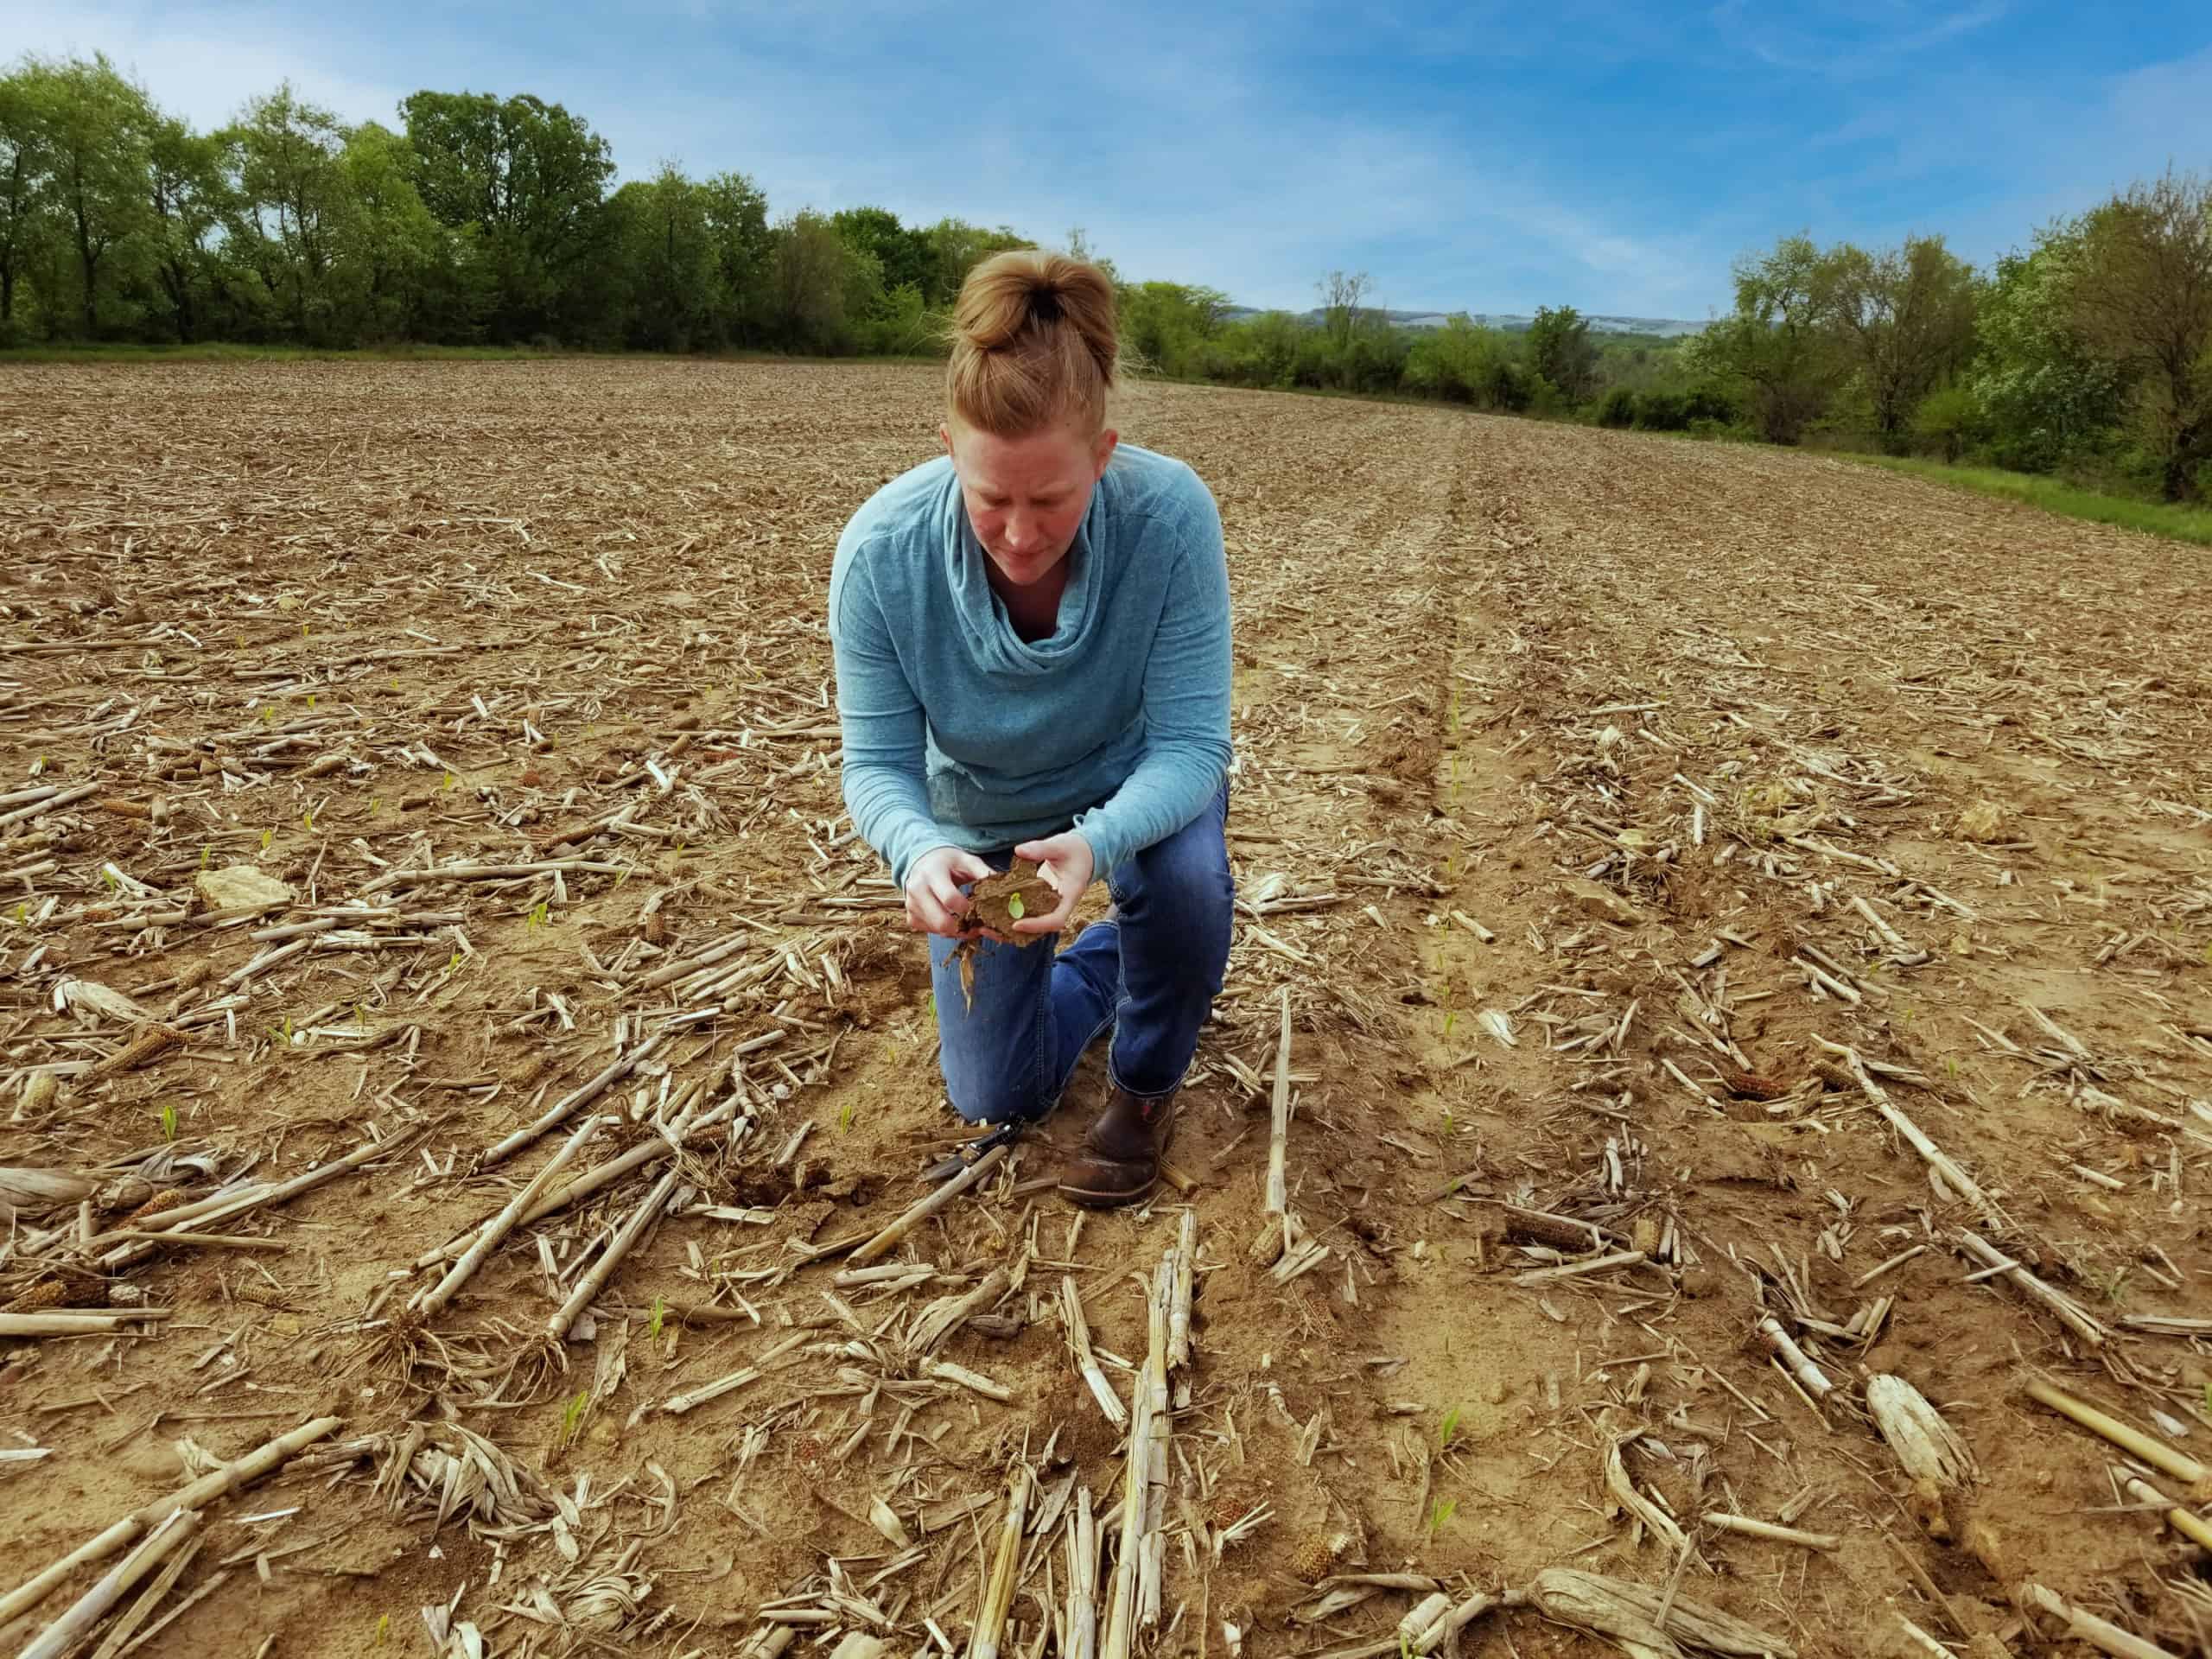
(1033, 658)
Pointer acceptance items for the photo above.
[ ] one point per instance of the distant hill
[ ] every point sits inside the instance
(1656, 327)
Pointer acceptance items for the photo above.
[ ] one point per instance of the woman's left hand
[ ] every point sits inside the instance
(1065, 861)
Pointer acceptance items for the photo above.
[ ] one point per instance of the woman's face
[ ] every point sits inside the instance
(1027, 496)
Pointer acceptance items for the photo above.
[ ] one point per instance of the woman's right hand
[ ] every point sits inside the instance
(935, 903)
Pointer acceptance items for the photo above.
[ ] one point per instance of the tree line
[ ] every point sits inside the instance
(479, 219)
(476, 219)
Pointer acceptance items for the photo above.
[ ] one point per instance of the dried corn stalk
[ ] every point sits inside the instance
(1932, 1457)
(1626, 1614)
(35, 1192)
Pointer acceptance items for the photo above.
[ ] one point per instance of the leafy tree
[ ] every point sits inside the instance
(1777, 343)
(532, 179)
(670, 257)
(1561, 350)
(22, 167)
(820, 284)
(2040, 395)
(1466, 362)
(902, 256)
(737, 225)
(1904, 318)
(399, 260)
(2142, 302)
(1169, 328)
(92, 128)
(956, 248)
(189, 199)
(296, 197)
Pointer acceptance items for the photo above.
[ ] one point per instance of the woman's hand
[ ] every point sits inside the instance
(935, 903)
(1067, 862)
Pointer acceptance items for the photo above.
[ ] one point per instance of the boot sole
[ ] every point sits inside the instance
(1089, 1200)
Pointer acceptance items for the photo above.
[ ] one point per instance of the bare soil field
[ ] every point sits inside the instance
(1717, 1060)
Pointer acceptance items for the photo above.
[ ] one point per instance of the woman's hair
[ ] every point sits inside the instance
(1032, 345)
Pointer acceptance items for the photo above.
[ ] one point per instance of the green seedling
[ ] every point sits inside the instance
(1439, 1515)
(1450, 1020)
(310, 699)
(845, 1118)
(574, 1415)
(449, 782)
(108, 876)
(269, 714)
(653, 1319)
(1447, 1120)
(307, 819)
(207, 852)
(22, 913)
(303, 630)
(1446, 1429)
(1015, 907)
(383, 1629)
(929, 1001)
(375, 801)
(267, 836)
(168, 1122)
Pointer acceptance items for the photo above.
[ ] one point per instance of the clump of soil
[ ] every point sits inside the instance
(1000, 901)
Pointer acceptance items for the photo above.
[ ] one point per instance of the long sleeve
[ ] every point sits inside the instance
(1186, 687)
(886, 777)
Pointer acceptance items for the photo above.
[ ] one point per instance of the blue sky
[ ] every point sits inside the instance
(1596, 153)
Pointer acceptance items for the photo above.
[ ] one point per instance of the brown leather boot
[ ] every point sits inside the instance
(1120, 1162)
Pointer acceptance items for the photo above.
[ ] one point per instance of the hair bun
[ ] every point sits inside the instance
(1035, 340)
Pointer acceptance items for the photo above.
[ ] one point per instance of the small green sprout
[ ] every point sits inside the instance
(449, 782)
(1015, 907)
(931, 1002)
(1447, 1428)
(168, 1122)
(269, 714)
(652, 1321)
(310, 699)
(306, 819)
(267, 836)
(845, 1118)
(540, 914)
(453, 963)
(1439, 1515)
(22, 913)
(375, 801)
(207, 852)
(574, 1414)
(383, 1629)
(1450, 1020)
(108, 876)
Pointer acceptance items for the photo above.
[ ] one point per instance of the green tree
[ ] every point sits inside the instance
(22, 171)
(189, 199)
(1170, 327)
(956, 248)
(396, 257)
(2142, 302)
(737, 223)
(1561, 350)
(1777, 344)
(901, 255)
(1904, 317)
(670, 257)
(820, 283)
(92, 129)
(531, 178)
(1469, 363)
(2042, 395)
(294, 198)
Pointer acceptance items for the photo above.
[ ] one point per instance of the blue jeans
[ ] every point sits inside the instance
(1152, 973)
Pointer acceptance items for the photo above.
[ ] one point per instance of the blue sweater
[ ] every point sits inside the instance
(959, 733)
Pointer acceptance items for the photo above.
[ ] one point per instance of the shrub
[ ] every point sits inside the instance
(1663, 411)
(1617, 409)
(1947, 421)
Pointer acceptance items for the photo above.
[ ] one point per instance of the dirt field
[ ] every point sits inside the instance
(1713, 891)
